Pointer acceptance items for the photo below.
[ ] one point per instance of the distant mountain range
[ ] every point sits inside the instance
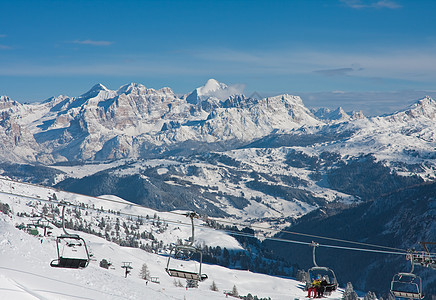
(137, 122)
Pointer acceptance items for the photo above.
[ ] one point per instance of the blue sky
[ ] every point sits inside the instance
(324, 50)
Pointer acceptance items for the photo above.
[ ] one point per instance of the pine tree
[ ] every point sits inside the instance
(302, 276)
(191, 283)
(213, 287)
(390, 297)
(370, 296)
(349, 293)
(145, 273)
(235, 292)
(177, 283)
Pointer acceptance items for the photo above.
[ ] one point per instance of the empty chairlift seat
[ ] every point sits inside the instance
(407, 285)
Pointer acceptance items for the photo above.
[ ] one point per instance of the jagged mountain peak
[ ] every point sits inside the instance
(166, 90)
(94, 91)
(427, 101)
(211, 85)
(287, 100)
(6, 102)
(293, 106)
(98, 87)
(4, 98)
(127, 88)
(212, 89)
(423, 108)
(340, 111)
(337, 115)
(357, 115)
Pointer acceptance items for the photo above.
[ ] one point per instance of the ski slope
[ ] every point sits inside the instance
(25, 271)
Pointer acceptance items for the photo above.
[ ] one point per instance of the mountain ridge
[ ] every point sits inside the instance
(137, 113)
(139, 117)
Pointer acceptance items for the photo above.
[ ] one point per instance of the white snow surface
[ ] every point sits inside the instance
(210, 87)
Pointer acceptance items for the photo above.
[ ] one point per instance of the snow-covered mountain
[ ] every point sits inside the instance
(213, 91)
(127, 123)
(138, 122)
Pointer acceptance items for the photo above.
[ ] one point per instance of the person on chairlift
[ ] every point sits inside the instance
(322, 287)
(316, 284)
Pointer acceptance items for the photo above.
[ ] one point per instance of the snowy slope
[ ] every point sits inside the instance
(25, 272)
(219, 184)
(23, 197)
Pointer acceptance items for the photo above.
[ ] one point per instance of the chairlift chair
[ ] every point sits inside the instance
(186, 252)
(407, 285)
(320, 272)
(71, 249)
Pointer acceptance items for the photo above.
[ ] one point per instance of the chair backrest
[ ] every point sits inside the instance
(407, 285)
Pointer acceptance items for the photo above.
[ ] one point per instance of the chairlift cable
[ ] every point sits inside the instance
(400, 251)
(403, 252)
(320, 245)
(82, 262)
(241, 224)
(307, 235)
(231, 232)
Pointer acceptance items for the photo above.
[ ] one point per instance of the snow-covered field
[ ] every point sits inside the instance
(25, 271)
